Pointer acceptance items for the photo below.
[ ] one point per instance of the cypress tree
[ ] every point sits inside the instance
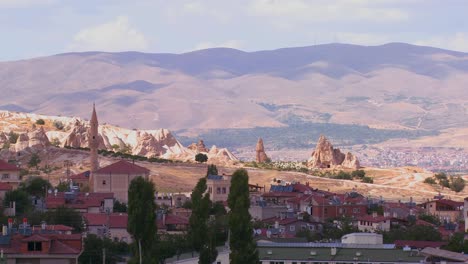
(212, 170)
(241, 242)
(199, 235)
(142, 218)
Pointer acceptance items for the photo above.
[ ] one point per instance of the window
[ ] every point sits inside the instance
(224, 190)
(210, 190)
(292, 228)
(218, 190)
(5, 176)
(34, 246)
(326, 210)
(356, 210)
(104, 182)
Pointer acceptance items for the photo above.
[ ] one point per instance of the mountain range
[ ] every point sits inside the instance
(395, 86)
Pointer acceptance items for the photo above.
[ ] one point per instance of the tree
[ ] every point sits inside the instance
(34, 160)
(21, 198)
(92, 251)
(212, 170)
(63, 215)
(200, 157)
(62, 186)
(429, 180)
(366, 179)
(59, 125)
(36, 186)
(457, 184)
(120, 207)
(55, 142)
(142, 218)
(242, 245)
(40, 122)
(358, 174)
(430, 219)
(457, 243)
(198, 233)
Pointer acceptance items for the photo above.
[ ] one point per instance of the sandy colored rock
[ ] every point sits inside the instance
(325, 156)
(261, 156)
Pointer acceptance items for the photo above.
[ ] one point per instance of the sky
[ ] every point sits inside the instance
(33, 28)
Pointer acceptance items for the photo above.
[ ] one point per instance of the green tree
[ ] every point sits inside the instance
(55, 142)
(65, 216)
(34, 161)
(358, 174)
(457, 184)
(430, 219)
(367, 180)
(59, 125)
(21, 199)
(457, 243)
(242, 245)
(212, 170)
(200, 157)
(40, 122)
(142, 218)
(63, 186)
(429, 180)
(36, 186)
(93, 250)
(120, 207)
(198, 223)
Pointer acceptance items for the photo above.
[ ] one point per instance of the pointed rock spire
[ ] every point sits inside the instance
(261, 156)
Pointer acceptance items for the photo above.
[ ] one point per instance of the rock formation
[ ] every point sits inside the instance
(199, 147)
(36, 140)
(261, 156)
(325, 156)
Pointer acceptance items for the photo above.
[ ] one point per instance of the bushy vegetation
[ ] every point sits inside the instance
(40, 122)
(58, 125)
(200, 157)
(342, 175)
(280, 165)
(13, 137)
(455, 183)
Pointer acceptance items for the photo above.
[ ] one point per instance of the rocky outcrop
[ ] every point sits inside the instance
(199, 147)
(36, 140)
(325, 156)
(261, 156)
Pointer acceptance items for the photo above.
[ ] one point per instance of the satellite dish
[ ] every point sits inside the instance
(258, 231)
(49, 191)
(268, 233)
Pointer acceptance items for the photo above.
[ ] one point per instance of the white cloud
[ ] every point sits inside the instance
(24, 3)
(320, 10)
(234, 44)
(458, 42)
(117, 35)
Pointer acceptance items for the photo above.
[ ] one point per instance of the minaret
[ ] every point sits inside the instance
(93, 145)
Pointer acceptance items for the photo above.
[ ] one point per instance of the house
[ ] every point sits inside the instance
(218, 187)
(25, 245)
(170, 223)
(413, 244)
(115, 178)
(325, 207)
(170, 199)
(288, 227)
(82, 202)
(4, 188)
(112, 225)
(9, 174)
(373, 223)
(332, 253)
(446, 210)
(81, 179)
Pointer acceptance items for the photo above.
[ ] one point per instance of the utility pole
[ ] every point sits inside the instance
(103, 256)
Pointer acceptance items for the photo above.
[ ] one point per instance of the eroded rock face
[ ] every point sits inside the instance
(261, 156)
(325, 156)
(36, 139)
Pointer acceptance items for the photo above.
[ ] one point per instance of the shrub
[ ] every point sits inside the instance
(358, 174)
(40, 122)
(200, 157)
(430, 181)
(13, 137)
(59, 125)
(457, 184)
(367, 180)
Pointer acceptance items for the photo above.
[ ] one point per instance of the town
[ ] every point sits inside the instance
(87, 218)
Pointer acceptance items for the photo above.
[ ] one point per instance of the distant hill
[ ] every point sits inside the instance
(393, 86)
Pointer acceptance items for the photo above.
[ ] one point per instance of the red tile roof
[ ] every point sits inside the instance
(373, 219)
(423, 223)
(59, 243)
(35, 238)
(61, 228)
(280, 194)
(172, 220)
(419, 244)
(5, 166)
(5, 186)
(81, 201)
(122, 167)
(84, 176)
(116, 220)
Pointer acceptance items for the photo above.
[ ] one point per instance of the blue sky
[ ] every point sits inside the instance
(31, 28)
